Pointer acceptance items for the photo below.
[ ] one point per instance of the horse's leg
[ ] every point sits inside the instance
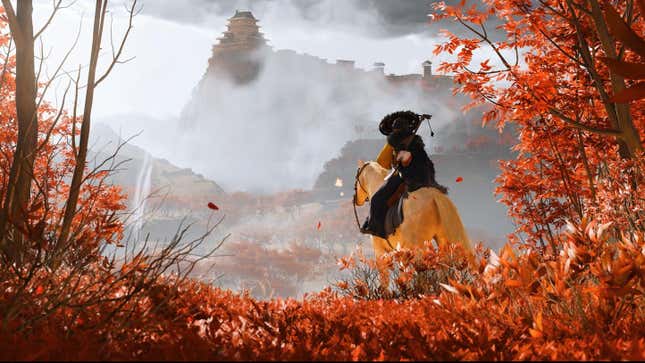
(380, 246)
(441, 240)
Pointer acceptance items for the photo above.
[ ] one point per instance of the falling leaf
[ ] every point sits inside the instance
(212, 206)
(459, 179)
(319, 225)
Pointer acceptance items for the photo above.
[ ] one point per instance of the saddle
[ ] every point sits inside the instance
(394, 215)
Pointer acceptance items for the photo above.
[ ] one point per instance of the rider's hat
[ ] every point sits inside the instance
(401, 120)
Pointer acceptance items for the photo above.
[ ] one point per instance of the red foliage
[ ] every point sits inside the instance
(585, 303)
(575, 159)
(581, 298)
(99, 202)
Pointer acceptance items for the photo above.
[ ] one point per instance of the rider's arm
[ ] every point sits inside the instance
(385, 156)
(404, 157)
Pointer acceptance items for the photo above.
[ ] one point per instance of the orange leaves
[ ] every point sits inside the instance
(484, 66)
(512, 283)
(556, 103)
(531, 284)
(536, 331)
(566, 316)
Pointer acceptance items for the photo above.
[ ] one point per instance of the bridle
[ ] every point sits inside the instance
(357, 183)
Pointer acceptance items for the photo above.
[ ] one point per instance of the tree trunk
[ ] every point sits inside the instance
(629, 140)
(21, 175)
(81, 156)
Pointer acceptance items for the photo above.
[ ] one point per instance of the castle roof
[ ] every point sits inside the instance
(243, 14)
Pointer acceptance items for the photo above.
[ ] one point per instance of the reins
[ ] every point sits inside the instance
(357, 183)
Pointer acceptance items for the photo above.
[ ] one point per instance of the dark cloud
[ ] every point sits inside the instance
(387, 18)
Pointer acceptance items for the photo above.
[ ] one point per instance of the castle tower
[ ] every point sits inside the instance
(427, 70)
(243, 34)
(238, 55)
(379, 67)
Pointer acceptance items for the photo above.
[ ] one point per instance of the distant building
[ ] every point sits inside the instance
(236, 54)
(242, 49)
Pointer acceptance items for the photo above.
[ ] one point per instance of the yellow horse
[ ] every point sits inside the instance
(427, 214)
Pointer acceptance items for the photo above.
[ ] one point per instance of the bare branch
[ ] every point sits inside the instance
(49, 20)
(580, 126)
(115, 57)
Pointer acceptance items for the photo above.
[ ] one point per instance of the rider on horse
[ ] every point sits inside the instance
(405, 151)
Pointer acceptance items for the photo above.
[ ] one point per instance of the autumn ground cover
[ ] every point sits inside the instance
(584, 303)
(568, 285)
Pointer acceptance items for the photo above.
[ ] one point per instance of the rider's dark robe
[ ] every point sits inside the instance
(419, 173)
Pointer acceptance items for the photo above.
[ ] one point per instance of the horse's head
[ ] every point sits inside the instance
(361, 194)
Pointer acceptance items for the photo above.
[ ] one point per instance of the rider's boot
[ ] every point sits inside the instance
(365, 229)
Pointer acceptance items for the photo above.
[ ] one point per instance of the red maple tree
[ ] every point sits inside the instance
(580, 150)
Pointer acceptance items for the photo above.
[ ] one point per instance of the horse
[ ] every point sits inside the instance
(427, 214)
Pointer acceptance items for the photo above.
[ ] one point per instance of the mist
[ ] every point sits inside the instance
(275, 133)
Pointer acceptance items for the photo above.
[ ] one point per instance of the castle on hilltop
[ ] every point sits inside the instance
(242, 48)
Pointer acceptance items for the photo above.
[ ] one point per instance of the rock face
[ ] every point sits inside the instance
(181, 186)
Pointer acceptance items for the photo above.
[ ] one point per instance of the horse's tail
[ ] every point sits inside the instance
(452, 225)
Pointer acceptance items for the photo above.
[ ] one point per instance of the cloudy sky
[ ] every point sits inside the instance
(171, 41)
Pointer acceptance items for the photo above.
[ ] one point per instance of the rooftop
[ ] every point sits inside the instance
(243, 14)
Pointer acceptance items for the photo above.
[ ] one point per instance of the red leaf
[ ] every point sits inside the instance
(212, 206)
(319, 225)
(459, 179)
(39, 289)
(513, 283)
